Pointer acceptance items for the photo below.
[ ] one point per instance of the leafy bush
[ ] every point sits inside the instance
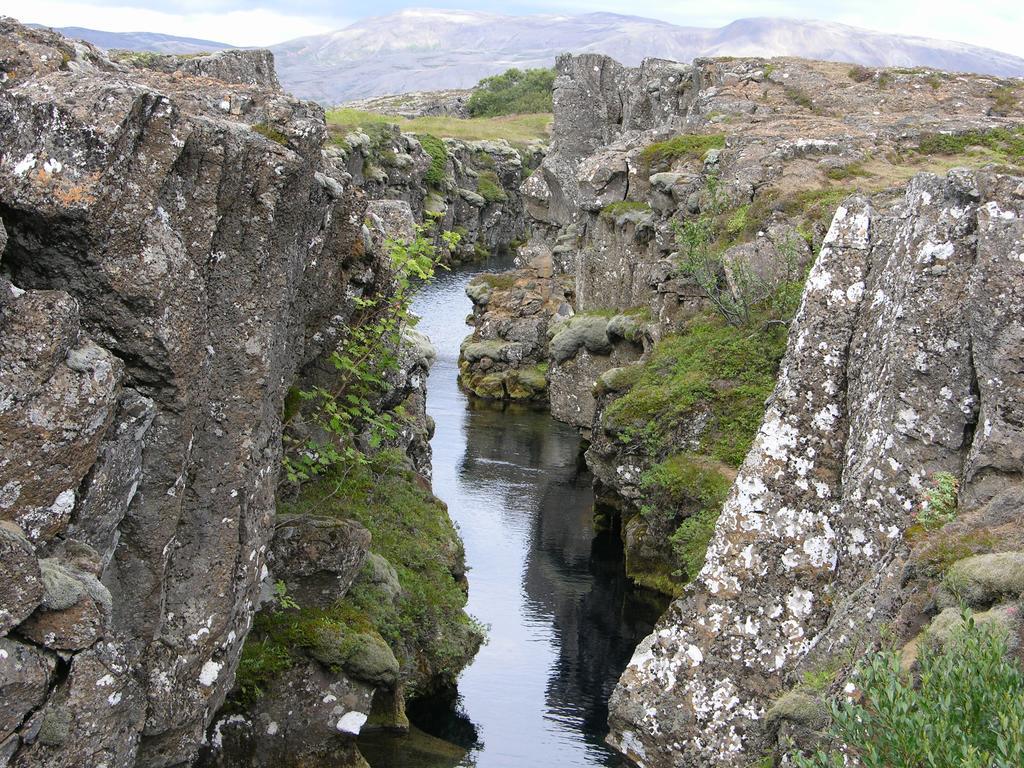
(1007, 141)
(967, 711)
(438, 152)
(749, 298)
(347, 413)
(515, 92)
(940, 501)
(660, 155)
(861, 74)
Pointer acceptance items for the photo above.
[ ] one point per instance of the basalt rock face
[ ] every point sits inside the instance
(903, 361)
(467, 187)
(169, 269)
(896, 353)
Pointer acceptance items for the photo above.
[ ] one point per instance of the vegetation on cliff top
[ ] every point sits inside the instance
(515, 92)
(518, 130)
(660, 155)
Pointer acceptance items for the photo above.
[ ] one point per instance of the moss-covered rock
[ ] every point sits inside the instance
(363, 655)
(981, 580)
(588, 331)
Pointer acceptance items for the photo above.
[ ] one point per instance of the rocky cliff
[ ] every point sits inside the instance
(835, 242)
(178, 252)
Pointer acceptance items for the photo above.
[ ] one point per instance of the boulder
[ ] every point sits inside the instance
(983, 580)
(21, 581)
(318, 558)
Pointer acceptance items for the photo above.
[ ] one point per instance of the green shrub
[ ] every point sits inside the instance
(861, 74)
(514, 92)
(940, 502)
(1006, 99)
(438, 171)
(966, 711)
(661, 155)
(1005, 141)
(488, 186)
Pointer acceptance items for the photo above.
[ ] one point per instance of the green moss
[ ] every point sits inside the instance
(1005, 142)
(846, 172)
(712, 365)
(438, 171)
(662, 154)
(613, 210)
(682, 481)
(801, 98)
(265, 129)
(292, 404)
(424, 624)
(489, 187)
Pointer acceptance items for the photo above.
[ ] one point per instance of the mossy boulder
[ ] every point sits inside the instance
(799, 707)
(983, 580)
(578, 332)
(494, 349)
(363, 655)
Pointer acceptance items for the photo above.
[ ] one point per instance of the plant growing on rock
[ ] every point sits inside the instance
(736, 291)
(346, 414)
(940, 501)
(964, 709)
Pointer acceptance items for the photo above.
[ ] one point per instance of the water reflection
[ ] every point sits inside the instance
(563, 619)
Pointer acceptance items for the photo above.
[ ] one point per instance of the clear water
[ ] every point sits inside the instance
(563, 618)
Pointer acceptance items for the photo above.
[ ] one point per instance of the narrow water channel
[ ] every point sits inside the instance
(563, 618)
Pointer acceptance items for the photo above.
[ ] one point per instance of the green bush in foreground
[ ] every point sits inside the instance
(515, 92)
(966, 712)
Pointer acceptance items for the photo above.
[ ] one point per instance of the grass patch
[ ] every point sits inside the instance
(660, 155)
(438, 170)
(711, 365)
(1005, 142)
(265, 129)
(489, 187)
(847, 172)
(518, 130)
(424, 626)
(514, 92)
(613, 210)
(861, 74)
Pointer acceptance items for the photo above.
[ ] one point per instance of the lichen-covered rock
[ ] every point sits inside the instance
(21, 581)
(179, 247)
(74, 613)
(317, 558)
(25, 677)
(982, 580)
(886, 377)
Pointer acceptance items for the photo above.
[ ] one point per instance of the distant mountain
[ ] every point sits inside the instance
(141, 41)
(417, 50)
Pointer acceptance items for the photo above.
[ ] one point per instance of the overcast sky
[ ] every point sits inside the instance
(992, 23)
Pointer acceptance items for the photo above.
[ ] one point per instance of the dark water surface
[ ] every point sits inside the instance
(563, 618)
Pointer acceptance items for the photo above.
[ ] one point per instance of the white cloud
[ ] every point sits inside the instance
(248, 28)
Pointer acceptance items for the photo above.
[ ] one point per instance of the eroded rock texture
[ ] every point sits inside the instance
(178, 248)
(904, 360)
